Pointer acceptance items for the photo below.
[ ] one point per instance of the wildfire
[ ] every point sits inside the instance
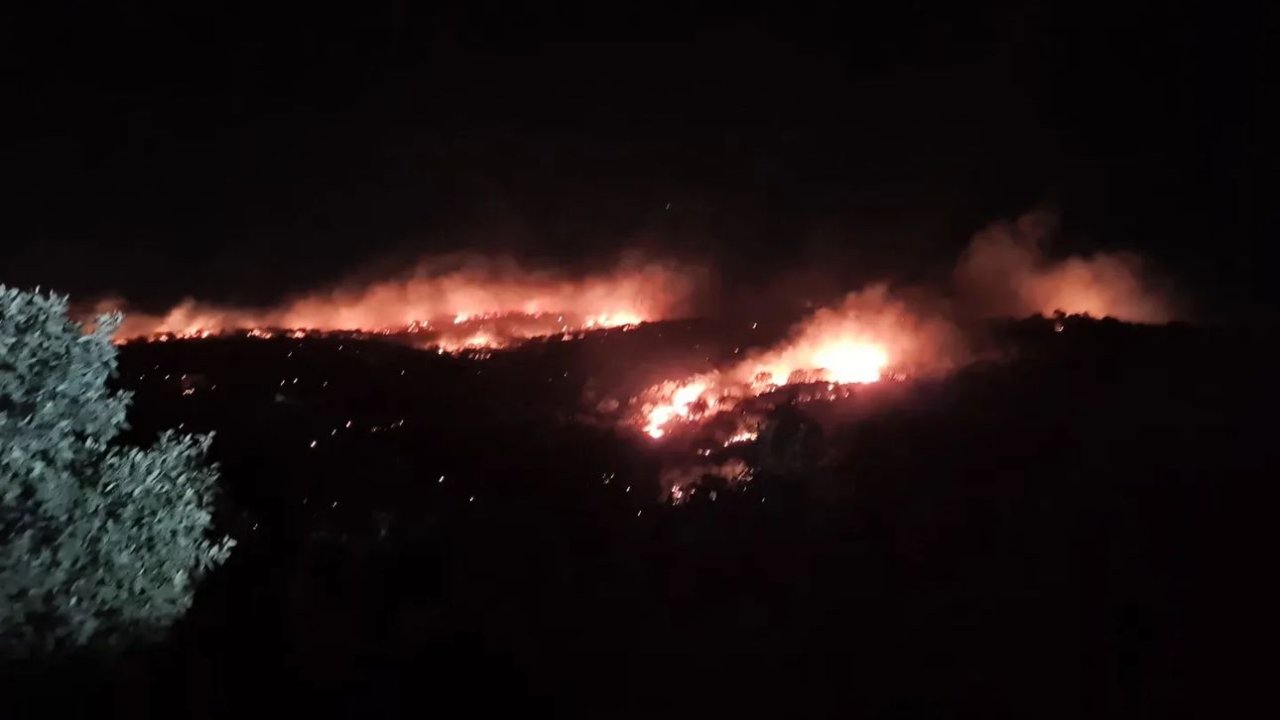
(485, 304)
(856, 342)
(742, 436)
(679, 405)
(852, 362)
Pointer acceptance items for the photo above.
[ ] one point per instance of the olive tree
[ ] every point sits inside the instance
(99, 542)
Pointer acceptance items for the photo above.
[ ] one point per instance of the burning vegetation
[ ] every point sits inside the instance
(868, 337)
(485, 304)
(878, 333)
(473, 304)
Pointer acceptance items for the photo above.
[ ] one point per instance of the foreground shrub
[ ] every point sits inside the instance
(99, 543)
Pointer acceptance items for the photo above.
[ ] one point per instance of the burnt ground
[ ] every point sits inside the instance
(1079, 528)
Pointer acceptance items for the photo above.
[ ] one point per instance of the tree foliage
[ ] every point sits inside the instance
(99, 543)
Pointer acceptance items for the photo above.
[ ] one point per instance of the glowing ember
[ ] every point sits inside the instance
(742, 436)
(681, 483)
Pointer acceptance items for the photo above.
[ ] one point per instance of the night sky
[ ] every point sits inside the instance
(239, 153)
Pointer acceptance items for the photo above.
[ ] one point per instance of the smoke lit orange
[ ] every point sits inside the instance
(1005, 271)
(483, 304)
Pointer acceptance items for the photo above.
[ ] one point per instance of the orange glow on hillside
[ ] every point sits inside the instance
(483, 305)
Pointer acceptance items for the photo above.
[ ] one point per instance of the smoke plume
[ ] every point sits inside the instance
(1005, 271)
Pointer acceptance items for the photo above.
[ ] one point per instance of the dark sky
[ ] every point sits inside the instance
(236, 152)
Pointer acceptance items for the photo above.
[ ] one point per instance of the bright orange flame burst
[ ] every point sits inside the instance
(852, 362)
(677, 407)
(855, 342)
(841, 361)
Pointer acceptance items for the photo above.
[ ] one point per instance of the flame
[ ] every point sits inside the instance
(837, 358)
(678, 405)
(741, 436)
(485, 304)
(867, 337)
(852, 362)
